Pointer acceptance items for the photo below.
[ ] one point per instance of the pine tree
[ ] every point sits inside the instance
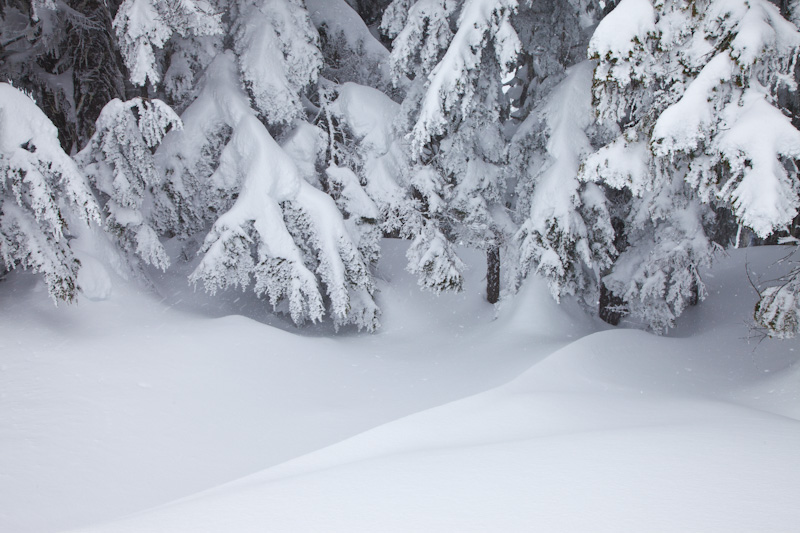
(119, 162)
(41, 189)
(280, 229)
(565, 232)
(453, 116)
(143, 27)
(271, 225)
(692, 86)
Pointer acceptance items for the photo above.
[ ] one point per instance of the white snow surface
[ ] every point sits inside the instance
(618, 32)
(340, 18)
(174, 411)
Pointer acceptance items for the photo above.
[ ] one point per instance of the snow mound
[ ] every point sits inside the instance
(620, 430)
(114, 406)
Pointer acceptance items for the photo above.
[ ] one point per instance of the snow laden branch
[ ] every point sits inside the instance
(695, 91)
(482, 25)
(40, 189)
(119, 162)
(280, 231)
(145, 26)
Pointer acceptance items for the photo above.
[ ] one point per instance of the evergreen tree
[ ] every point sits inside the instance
(692, 86)
(280, 229)
(270, 223)
(566, 234)
(41, 189)
(453, 118)
(119, 162)
(565, 229)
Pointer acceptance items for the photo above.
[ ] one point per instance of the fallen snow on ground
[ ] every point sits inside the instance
(446, 420)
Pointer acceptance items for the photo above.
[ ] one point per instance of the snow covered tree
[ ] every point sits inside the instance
(778, 309)
(350, 52)
(271, 225)
(453, 118)
(41, 189)
(692, 86)
(421, 34)
(143, 27)
(566, 234)
(280, 230)
(565, 231)
(119, 162)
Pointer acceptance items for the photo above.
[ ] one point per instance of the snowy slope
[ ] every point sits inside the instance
(615, 431)
(116, 405)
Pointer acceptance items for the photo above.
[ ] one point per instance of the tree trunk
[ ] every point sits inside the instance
(493, 274)
(610, 306)
(694, 297)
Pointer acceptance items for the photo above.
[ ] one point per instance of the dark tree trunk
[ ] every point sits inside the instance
(610, 306)
(493, 274)
(694, 297)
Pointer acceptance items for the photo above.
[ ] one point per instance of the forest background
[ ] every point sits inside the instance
(615, 148)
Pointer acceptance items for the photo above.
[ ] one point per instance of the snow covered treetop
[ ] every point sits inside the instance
(144, 25)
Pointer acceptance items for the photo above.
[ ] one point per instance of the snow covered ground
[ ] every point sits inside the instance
(179, 412)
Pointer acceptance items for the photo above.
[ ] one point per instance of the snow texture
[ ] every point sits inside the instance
(171, 417)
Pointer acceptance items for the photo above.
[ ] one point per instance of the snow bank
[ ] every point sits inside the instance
(620, 430)
(111, 407)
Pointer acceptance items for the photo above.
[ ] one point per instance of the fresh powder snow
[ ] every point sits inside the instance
(399, 265)
(141, 412)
